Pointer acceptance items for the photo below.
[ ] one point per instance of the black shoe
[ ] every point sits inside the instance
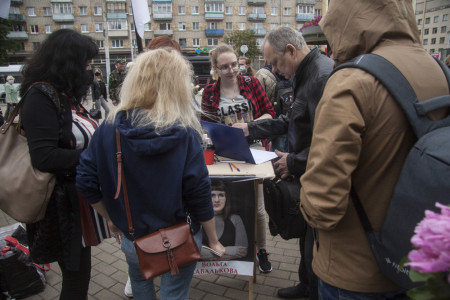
(264, 264)
(298, 291)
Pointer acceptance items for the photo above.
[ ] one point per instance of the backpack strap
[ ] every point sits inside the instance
(400, 89)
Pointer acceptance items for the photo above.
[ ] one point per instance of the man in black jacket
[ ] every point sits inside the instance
(286, 51)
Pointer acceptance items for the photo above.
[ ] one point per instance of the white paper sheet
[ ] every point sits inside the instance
(261, 156)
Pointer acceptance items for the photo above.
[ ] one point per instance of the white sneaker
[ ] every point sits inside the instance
(128, 291)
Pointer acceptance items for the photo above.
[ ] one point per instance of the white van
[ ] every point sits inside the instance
(14, 71)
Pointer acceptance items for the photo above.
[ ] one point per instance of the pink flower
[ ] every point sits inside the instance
(432, 242)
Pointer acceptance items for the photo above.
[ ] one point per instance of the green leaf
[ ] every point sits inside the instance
(416, 276)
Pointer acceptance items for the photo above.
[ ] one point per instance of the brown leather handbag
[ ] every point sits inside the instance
(164, 250)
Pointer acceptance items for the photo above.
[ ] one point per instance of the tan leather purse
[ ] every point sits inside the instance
(164, 250)
(24, 190)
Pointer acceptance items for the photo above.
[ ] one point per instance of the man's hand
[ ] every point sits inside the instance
(280, 166)
(114, 102)
(116, 231)
(243, 126)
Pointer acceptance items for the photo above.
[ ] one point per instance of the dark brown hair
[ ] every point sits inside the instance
(163, 42)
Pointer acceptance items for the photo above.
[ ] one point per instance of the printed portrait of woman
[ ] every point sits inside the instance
(229, 227)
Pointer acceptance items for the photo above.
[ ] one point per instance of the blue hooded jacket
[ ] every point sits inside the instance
(165, 173)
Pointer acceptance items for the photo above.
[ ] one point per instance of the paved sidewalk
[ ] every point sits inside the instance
(109, 274)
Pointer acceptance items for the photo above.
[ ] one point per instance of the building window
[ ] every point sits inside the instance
(148, 27)
(182, 26)
(431, 50)
(67, 26)
(99, 27)
(419, 22)
(195, 42)
(420, 32)
(241, 25)
(436, 19)
(441, 40)
(100, 44)
(116, 7)
(212, 25)
(84, 28)
(47, 11)
(19, 27)
(274, 11)
(62, 8)
(241, 11)
(164, 26)
(147, 41)
(83, 11)
(443, 29)
(163, 8)
(259, 42)
(36, 45)
(287, 11)
(445, 17)
(31, 12)
(34, 29)
(258, 10)
(300, 25)
(213, 7)
(195, 10)
(229, 26)
(426, 31)
(117, 43)
(213, 42)
(317, 12)
(273, 26)
(434, 30)
(427, 21)
(287, 25)
(117, 24)
(132, 26)
(425, 41)
(182, 43)
(48, 29)
(14, 10)
(433, 41)
(229, 10)
(181, 10)
(97, 11)
(305, 9)
(195, 25)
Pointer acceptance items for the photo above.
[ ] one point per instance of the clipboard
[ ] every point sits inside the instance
(231, 142)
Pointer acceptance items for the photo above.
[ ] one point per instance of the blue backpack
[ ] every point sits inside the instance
(425, 176)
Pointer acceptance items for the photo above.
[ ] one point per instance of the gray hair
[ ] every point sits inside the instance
(281, 36)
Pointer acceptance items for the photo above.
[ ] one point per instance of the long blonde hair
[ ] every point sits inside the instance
(160, 84)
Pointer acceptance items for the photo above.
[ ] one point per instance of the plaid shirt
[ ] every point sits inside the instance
(250, 88)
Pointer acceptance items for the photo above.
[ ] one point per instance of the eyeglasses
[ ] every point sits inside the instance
(233, 66)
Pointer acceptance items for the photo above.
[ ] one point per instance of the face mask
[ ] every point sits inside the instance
(97, 74)
(89, 76)
(242, 69)
(11, 81)
(211, 72)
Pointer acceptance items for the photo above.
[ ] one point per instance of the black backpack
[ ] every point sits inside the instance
(424, 179)
(283, 93)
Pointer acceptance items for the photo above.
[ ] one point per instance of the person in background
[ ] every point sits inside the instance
(236, 99)
(447, 61)
(229, 227)
(99, 95)
(287, 52)
(163, 42)
(360, 141)
(245, 66)
(11, 96)
(2, 120)
(159, 128)
(116, 79)
(58, 129)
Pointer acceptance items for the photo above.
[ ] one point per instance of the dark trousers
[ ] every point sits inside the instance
(75, 284)
(305, 272)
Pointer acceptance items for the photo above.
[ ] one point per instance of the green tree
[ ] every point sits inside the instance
(6, 44)
(243, 37)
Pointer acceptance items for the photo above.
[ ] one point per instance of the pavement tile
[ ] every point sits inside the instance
(104, 268)
(103, 280)
(264, 289)
(108, 295)
(231, 282)
(211, 288)
(236, 294)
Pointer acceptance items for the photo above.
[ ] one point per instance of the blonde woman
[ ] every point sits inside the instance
(163, 163)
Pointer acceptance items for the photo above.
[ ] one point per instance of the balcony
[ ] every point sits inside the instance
(116, 1)
(214, 16)
(256, 17)
(304, 17)
(214, 32)
(259, 32)
(162, 16)
(217, 1)
(17, 18)
(306, 2)
(18, 35)
(162, 1)
(16, 2)
(256, 2)
(61, 1)
(63, 17)
(118, 33)
(121, 15)
(163, 32)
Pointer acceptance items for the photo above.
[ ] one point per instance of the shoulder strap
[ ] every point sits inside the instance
(397, 85)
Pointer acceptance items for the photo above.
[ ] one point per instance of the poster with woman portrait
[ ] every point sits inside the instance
(233, 199)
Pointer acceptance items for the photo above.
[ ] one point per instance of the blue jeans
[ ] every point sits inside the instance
(329, 292)
(172, 287)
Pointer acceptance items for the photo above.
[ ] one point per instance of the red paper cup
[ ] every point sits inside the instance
(209, 156)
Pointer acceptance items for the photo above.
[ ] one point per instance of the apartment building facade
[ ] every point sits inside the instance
(198, 25)
(432, 18)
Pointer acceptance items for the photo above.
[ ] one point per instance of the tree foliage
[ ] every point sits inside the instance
(6, 44)
(243, 37)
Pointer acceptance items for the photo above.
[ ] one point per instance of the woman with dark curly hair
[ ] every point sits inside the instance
(58, 129)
